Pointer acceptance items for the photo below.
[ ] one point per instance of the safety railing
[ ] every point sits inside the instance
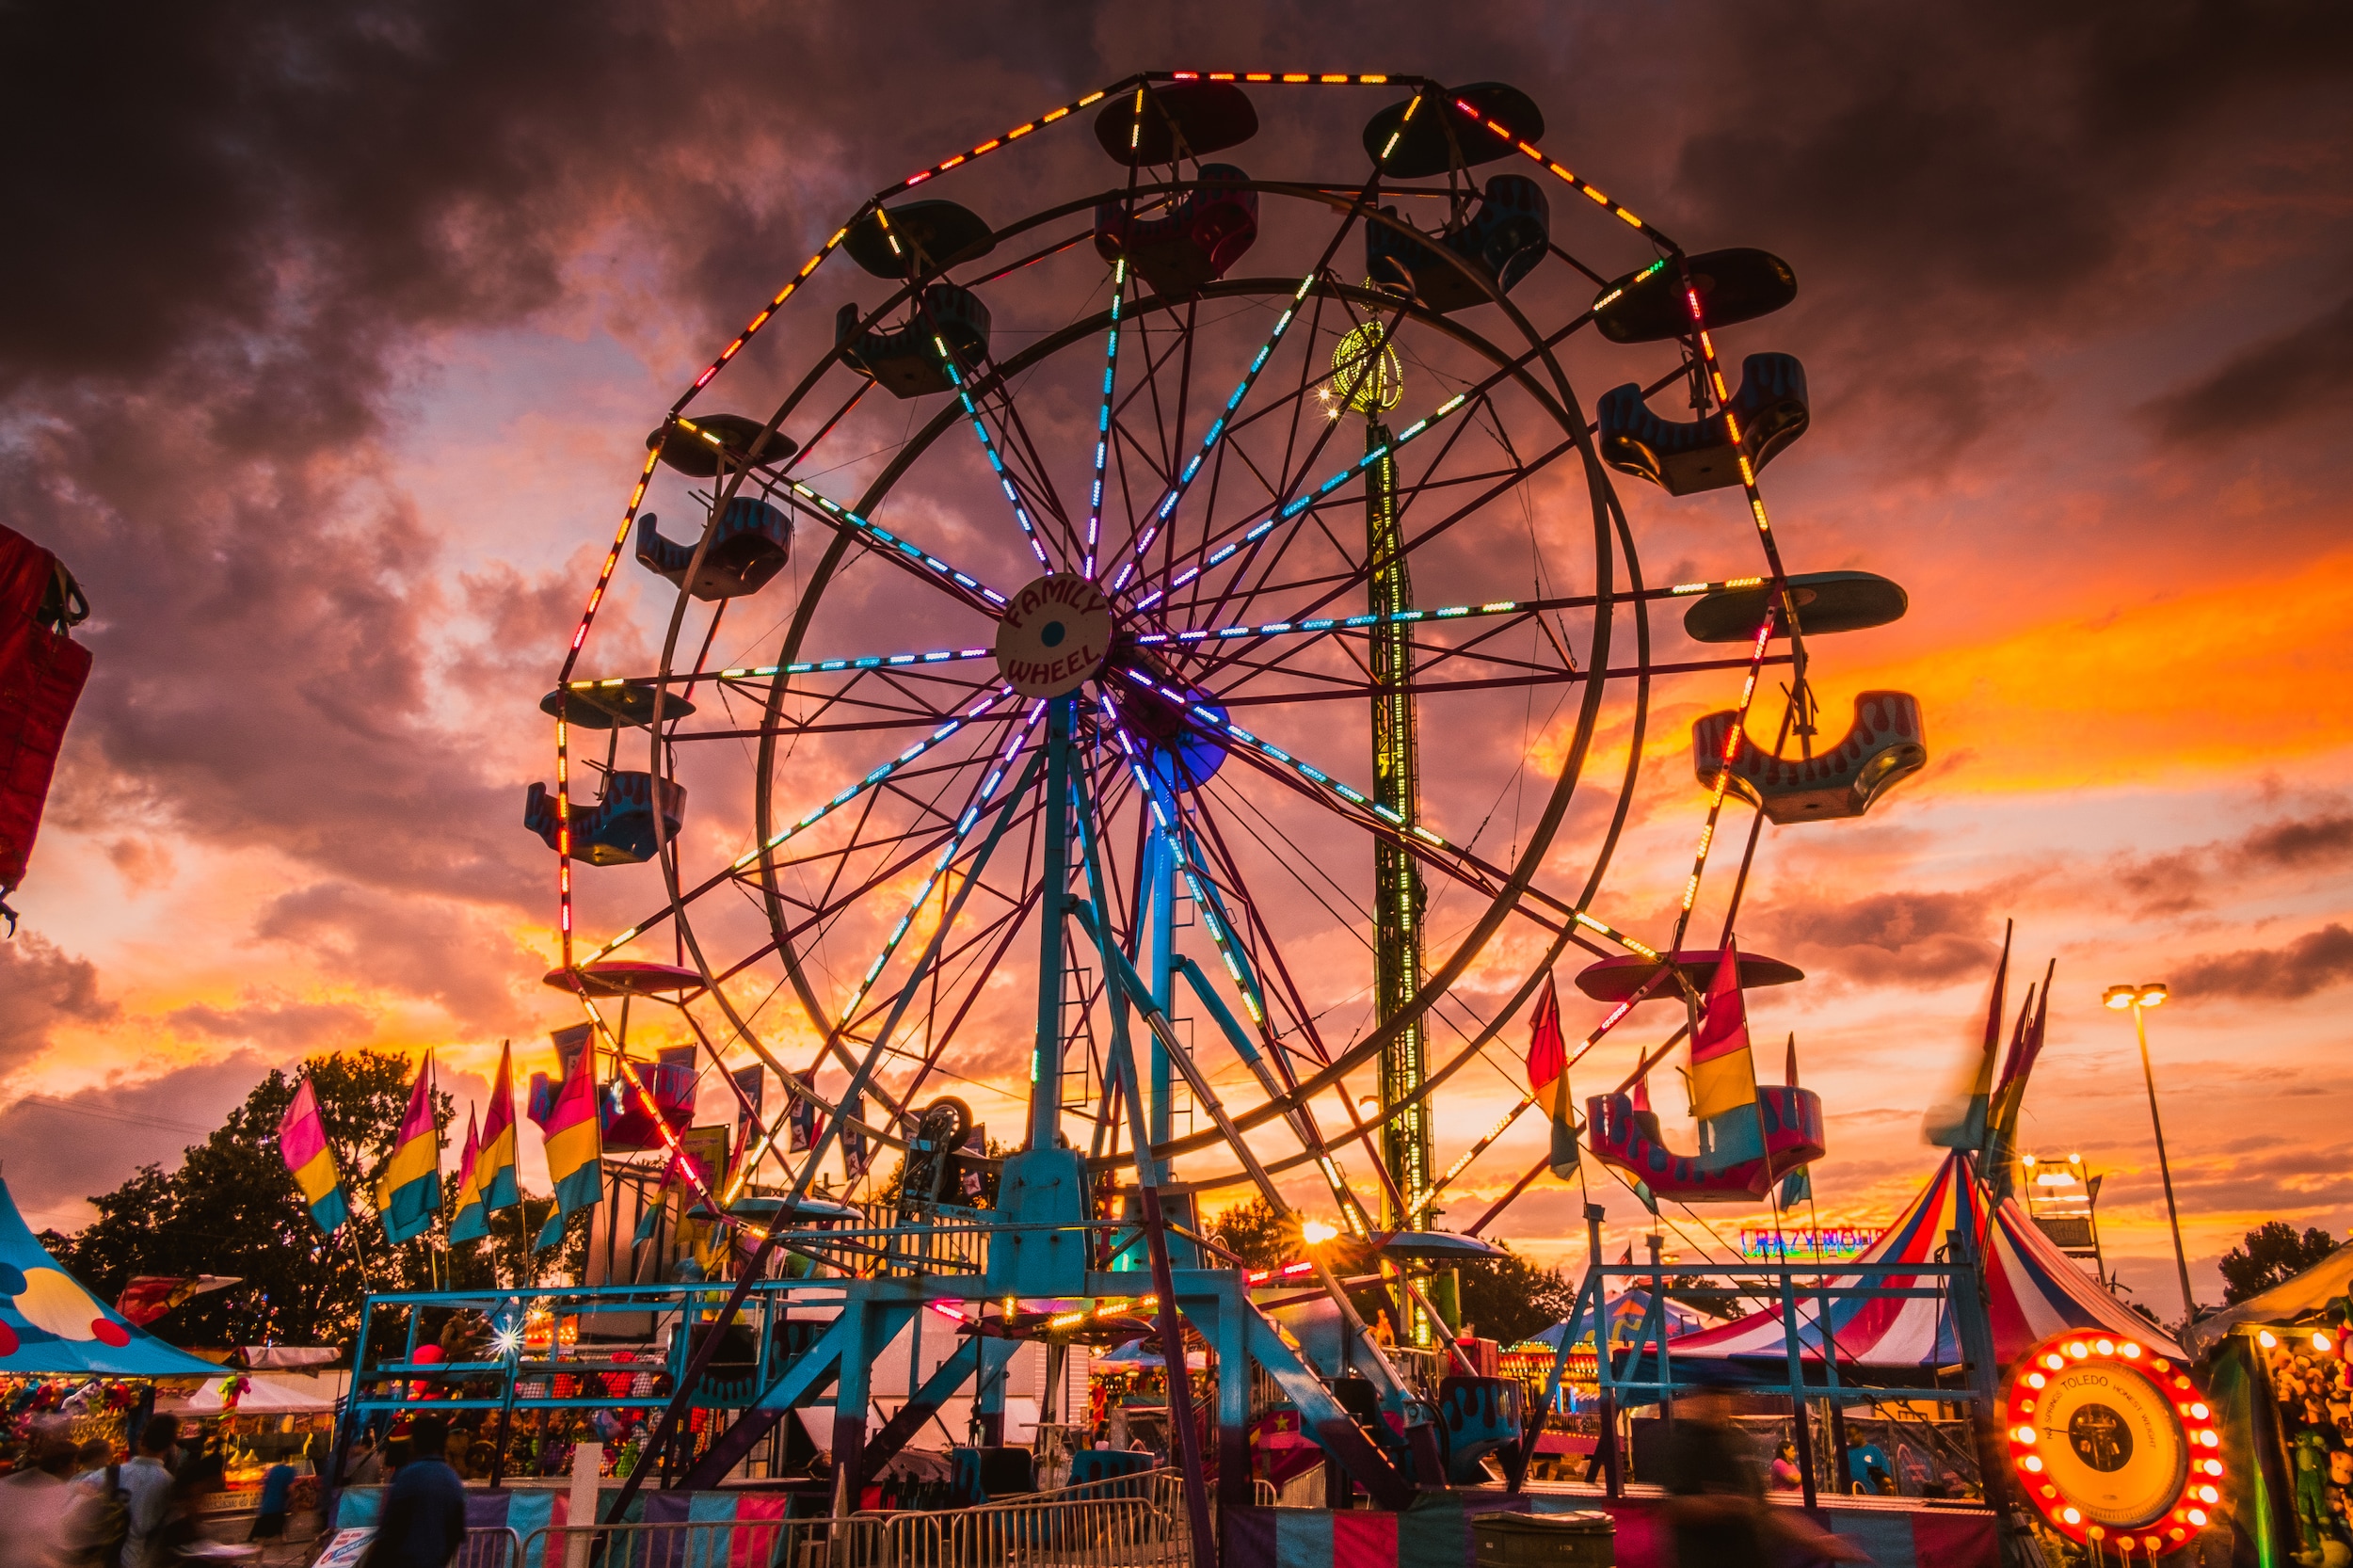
(1109, 1532)
(853, 1542)
(488, 1547)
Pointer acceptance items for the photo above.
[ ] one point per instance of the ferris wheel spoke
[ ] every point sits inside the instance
(1103, 417)
(843, 797)
(904, 553)
(1266, 522)
(1457, 861)
(1014, 495)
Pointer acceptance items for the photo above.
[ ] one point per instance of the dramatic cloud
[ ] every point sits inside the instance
(2312, 962)
(2296, 375)
(342, 327)
(65, 1149)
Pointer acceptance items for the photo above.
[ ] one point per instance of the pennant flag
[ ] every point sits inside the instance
(1797, 1187)
(1548, 1078)
(853, 1152)
(302, 1143)
(409, 1193)
(575, 1149)
(147, 1297)
(1958, 1120)
(2001, 1134)
(801, 1111)
(1723, 1074)
(473, 1222)
(494, 1170)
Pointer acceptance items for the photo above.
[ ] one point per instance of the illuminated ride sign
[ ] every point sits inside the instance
(2114, 1445)
(1807, 1243)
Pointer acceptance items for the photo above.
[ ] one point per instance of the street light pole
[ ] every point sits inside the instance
(2140, 999)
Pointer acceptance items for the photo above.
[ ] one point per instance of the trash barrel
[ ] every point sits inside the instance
(1583, 1539)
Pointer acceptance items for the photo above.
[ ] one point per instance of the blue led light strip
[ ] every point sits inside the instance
(989, 444)
(1205, 717)
(746, 861)
(898, 546)
(965, 823)
(1298, 504)
(1103, 416)
(1175, 493)
(1329, 623)
(1204, 905)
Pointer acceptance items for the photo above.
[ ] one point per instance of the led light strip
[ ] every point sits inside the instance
(1206, 717)
(1202, 907)
(1293, 507)
(988, 445)
(933, 564)
(872, 780)
(853, 665)
(1512, 1115)
(1110, 372)
(965, 823)
(1328, 623)
(1175, 493)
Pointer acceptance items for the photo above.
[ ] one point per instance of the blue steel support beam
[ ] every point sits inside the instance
(1053, 899)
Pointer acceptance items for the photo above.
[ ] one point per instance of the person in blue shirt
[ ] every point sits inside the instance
(1867, 1470)
(269, 1523)
(425, 1509)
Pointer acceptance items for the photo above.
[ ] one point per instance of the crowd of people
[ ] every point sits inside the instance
(77, 1506)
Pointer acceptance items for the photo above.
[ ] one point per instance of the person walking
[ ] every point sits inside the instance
(425, 1509)
(146, 1482)
(37, 1502)
(1716, 1510)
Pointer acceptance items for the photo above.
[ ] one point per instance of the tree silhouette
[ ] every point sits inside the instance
(2271, 1254)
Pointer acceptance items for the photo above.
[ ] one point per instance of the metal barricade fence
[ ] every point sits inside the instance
(488, 1547)
(852, 1543)
(1110, 1532)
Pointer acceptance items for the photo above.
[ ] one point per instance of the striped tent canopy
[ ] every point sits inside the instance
(2033, 1290)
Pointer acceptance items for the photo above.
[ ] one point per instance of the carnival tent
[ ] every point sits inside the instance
(2033, 1290)
(260, 1397)
(2287, 1301)
(50, 1327)
(1626, 1311)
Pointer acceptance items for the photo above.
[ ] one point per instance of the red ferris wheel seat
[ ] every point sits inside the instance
(1739, 284)
(1198, 236)
(1619, 1135)
(907, 360)
(1885, 746)
(749, 543)
(695, 453)
(1190, 119)
(1685, 457)
(1498, 243)
(617, 830)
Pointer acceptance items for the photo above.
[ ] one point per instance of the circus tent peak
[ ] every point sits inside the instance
(2033, 1290)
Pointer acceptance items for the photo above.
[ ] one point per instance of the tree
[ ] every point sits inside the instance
(2272, 1254)
(1509, 1299)
(1253, 1233)
(232, 1208)
(1505, 1298)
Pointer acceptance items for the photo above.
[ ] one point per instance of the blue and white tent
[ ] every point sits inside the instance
(51, 1327)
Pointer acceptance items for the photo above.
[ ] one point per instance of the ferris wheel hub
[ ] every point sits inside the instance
(1054, 636)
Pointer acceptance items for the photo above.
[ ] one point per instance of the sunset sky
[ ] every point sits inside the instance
(335, 337)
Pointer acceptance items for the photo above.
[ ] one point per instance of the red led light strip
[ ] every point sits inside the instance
(2201, 1494)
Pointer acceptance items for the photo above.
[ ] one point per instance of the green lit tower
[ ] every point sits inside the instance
(1368, 382)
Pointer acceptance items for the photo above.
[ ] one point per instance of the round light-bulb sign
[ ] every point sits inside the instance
(2111, 1443)
(1055, 633)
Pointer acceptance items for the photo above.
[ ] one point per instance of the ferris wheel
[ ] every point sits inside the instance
(1154, 648)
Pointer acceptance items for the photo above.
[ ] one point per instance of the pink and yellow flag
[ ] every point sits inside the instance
(575, 1146)
(302, 1142)
(409, 1193)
